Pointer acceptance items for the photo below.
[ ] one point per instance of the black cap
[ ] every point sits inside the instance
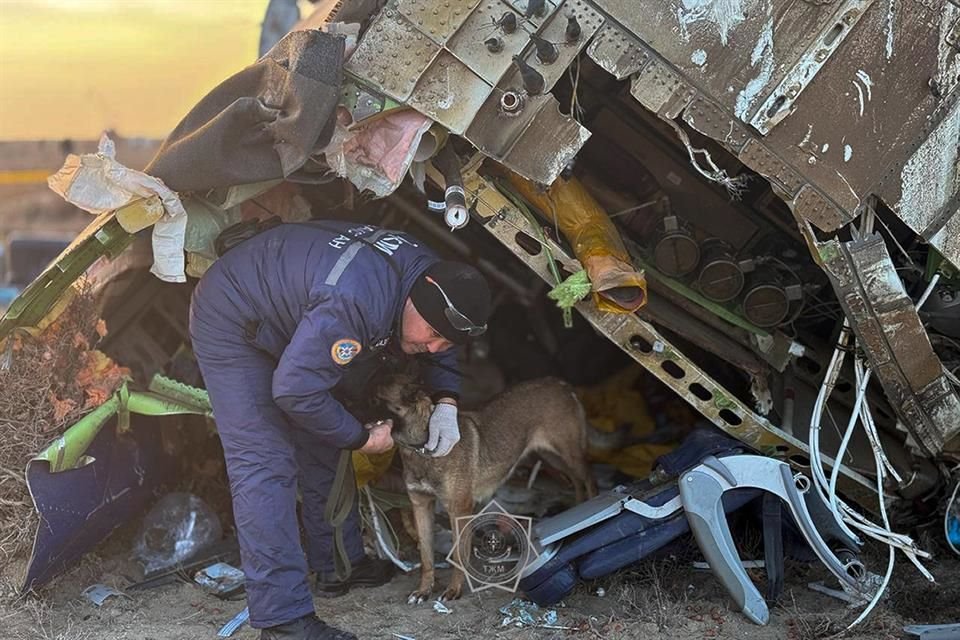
(465, 287)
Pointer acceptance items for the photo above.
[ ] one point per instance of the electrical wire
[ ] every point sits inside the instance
(843, 513)
(926, 293)
(387, 540)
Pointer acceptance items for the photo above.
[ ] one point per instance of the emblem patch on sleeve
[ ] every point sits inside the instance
(344, 350)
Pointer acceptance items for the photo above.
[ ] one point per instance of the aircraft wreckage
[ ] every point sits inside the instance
(763, 194)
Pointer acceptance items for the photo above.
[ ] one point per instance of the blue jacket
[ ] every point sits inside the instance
(316, 296)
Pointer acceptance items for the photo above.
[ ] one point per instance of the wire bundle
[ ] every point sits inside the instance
(848, 518)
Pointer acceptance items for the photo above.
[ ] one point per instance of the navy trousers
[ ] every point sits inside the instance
(268, 459)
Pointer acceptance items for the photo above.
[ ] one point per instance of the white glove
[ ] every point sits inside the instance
(444, 430)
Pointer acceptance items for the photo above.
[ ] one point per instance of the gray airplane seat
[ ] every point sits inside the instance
(605, 534)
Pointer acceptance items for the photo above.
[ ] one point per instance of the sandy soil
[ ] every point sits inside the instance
(663, 598)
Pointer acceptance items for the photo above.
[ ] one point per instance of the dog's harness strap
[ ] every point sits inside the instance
(339, 503)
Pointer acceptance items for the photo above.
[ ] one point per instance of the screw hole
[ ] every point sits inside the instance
(700, 391)
(673, 369)
(527, 243)
(730, 418)
(640, 343)
(800, 460)
(776, 106)
(833, 35)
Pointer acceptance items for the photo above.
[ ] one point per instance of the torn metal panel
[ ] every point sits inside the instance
(661, 89)
(814, 207)
(619, 53)
(866, 84)
(121, 479)
(779, 103)
(891, 334)
(707, 117)
(450, 93)
(766, 163)
(738, 51)
(538, 139)
(858, 123)
(543, 163)
(453, 63)
(927, 193)
(642, 342)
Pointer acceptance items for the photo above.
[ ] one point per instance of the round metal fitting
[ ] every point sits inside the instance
(511, 103)
(721, 278)
(677, 253)
(766, 304)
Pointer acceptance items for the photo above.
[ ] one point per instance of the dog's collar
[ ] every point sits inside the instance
(421, 450)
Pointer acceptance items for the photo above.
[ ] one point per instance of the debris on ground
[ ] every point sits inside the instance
(522, 613)
(220, 579)
(98, 593)
(48, 380)
(235, 623)
(179, 526)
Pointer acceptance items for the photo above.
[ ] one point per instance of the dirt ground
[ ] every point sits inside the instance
(662, 598)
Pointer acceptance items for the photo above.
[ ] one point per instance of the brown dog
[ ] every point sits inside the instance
(541, 416)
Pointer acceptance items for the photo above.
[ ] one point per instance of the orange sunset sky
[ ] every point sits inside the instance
(71, 68)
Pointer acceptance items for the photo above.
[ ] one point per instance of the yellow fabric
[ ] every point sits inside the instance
(369, 467)
(617, 405)
(595, 240)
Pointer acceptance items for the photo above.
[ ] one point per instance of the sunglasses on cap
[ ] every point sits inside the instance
(459, 321)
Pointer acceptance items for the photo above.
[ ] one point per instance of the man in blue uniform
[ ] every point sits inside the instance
(276, 322)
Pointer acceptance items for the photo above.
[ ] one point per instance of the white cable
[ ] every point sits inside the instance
(387, 549)
(862, 381)
(928, 290)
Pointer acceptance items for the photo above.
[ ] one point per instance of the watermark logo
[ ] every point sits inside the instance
(492, 548)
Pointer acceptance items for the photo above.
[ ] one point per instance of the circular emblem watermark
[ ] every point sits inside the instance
(492, 548)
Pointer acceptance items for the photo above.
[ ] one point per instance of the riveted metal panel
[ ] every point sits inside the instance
(892, 336)
(494, 132)
(450, 93)
(535, 20)
(756, 156)
(392, 55)
(468, 43)
(553, 31)
(618, 52)
(437, 19)
(658, 87)
(779, 102)
(735, 51)
(708, 118)
(811, 205)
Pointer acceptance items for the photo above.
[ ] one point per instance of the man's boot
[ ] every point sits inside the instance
(369, 572)
(306, 628)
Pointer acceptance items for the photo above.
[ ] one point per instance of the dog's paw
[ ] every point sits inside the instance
(419, 596)
(453, 592)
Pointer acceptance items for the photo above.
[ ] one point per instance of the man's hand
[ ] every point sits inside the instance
(444, 430)
(380, 439)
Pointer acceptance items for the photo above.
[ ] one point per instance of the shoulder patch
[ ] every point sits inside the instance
(344, 350)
